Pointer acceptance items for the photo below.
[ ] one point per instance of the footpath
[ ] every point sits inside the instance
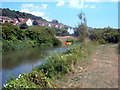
(99, 71)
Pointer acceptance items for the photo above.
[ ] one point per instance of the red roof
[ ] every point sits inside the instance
(40, 22)
(23, 21)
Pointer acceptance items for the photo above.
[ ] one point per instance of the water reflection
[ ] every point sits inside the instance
(15, 58)
(17, 62)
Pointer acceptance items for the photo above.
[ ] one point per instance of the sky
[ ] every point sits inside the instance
(99, 14)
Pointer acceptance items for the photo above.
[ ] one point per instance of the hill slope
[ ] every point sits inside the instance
(16, 14)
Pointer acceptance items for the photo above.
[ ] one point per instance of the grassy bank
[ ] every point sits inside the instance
(56, 66)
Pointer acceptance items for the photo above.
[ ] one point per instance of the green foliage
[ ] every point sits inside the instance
(105, 35)
(16, 14)
(35, 23)
(56, 42)
(17, 44)
(72, 41)
(15, 38)
(34, 79)
(60, 64)
(57, 65)
(61, 32)
(24, 26)
(50, 30)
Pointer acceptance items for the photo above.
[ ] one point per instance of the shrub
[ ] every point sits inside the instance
(32, 80)
(105, 36)
(35, 23)
(24, 26)
(14, 38)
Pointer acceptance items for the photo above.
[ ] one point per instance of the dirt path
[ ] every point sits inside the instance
(64, 38)
(101, 72)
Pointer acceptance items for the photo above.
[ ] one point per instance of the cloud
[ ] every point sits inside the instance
(60, 3)
(47, 18)
(36, 13)
(33, 7)
(81, 3)
(92, 6)
(44, 6)
(35, 10)
(76, 3)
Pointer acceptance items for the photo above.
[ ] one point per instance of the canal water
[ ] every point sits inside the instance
(23, 61)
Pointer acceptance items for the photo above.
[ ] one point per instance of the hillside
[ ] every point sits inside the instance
(16, 14)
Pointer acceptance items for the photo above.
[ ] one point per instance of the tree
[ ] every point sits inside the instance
(82, 28)
(35, 23)
(24, 26)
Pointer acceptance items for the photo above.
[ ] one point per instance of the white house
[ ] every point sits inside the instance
(29, 22)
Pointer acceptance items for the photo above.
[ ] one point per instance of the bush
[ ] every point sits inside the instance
(32, 80)
(24, 26)
(105, 36)
(15, 38)
(35, 23)
(59, 64)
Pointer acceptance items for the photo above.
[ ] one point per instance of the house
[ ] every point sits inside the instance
(4, 19)
(40, 23)
(28, 21)
(15, 21)
(61, 26)
(50, 25)
(46, 24)
(57, 26)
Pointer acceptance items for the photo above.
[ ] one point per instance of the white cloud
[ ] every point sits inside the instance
(36, 13)
(92, 6)
(76, 3)
(35, 10)
(44, 6)
(60, 3)
(47, 18)
(81, 3)
(34, 7)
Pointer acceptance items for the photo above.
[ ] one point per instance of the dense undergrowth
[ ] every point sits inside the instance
(14, 38)
(104, 36)
(57, 65)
